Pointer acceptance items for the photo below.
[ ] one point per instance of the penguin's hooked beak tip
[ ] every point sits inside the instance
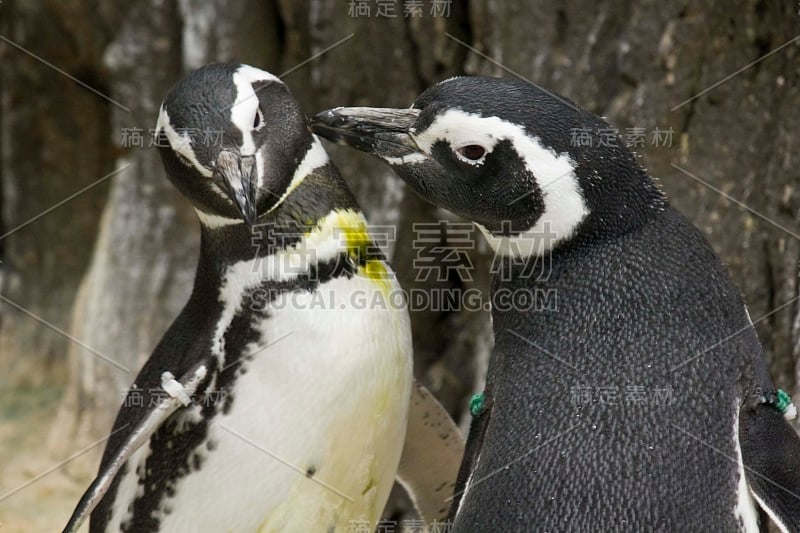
(377, 130)
(236, 175)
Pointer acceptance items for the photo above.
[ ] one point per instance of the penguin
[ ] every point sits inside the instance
(277, 400)
(627, 389)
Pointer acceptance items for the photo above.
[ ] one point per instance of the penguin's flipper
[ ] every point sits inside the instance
(178, 392)
(472, 451)
(431, 456)
(771, 455)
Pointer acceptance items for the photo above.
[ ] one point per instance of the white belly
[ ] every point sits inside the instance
(332, 396)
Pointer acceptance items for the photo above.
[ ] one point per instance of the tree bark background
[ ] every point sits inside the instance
(55, 137)
(114, 265)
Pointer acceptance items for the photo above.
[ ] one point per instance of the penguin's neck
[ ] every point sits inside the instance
(617, 206)
(313, 224)
(620, 203)
(610, 207)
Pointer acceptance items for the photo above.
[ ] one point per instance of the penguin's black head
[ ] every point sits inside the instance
(495, 151)
(231, 138)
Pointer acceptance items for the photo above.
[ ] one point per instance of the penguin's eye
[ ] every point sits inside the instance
(471, 153)
(258, 120)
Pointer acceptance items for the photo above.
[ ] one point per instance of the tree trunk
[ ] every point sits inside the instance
(55, 143)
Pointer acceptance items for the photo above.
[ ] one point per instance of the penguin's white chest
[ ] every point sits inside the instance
(316, 425)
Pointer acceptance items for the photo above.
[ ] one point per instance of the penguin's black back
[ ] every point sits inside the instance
(593, 427)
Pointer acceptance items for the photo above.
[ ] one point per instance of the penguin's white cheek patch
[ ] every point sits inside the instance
(564, 204)
(460, 129)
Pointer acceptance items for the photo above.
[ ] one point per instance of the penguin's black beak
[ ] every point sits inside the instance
(236, 175)
(377, 130)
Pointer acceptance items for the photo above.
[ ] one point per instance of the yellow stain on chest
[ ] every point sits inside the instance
(350, 227)
(363, 445)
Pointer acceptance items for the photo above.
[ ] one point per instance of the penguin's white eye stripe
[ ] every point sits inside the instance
(459, 134)
(245, 108)
(181, 144)
(258, 120)
(460, 128)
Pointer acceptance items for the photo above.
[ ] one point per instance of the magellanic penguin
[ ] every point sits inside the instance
(277, 400)
(641, 400)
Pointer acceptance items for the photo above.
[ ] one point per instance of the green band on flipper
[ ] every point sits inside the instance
(477, 403)
(783, 401)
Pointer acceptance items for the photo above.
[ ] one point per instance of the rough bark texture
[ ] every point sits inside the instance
(55, 142)
(630, 62)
